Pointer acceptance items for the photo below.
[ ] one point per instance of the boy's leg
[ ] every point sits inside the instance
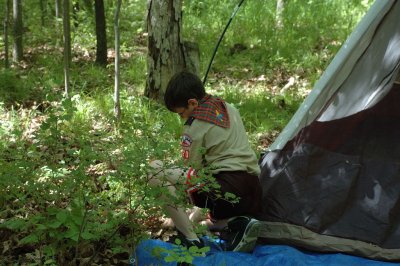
(241, 230)
(197, 215)
(177, 214)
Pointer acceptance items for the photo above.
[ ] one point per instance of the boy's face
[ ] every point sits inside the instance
(186, 112)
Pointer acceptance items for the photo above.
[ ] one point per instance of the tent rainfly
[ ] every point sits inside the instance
(331, 180)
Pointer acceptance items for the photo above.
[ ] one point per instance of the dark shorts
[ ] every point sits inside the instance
(242, 184)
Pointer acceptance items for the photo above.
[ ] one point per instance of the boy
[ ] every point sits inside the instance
(213, 139)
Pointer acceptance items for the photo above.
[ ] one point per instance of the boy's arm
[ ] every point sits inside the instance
(193, 144)
(192, 154)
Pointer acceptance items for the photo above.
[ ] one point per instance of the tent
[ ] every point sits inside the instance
(331, 180)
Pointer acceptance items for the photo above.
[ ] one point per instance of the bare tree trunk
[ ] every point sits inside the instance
(117, 105)
(67, 44)
(17, 30)
(43, 9)
(58, 16)
(5, 24)
(58, 8)
(101, 35)
(165, 49)
(280, 4)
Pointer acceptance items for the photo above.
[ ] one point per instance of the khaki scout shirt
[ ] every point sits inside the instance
(222, 149)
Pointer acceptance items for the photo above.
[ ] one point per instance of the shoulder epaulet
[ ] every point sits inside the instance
(189, 121)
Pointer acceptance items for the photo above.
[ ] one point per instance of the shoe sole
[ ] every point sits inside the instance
(249, 238)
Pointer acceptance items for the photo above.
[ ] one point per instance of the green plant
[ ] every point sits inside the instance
(179, 253)
(73, 183)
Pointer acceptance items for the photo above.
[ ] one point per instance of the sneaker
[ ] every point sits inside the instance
(242, 234)
(192, 243)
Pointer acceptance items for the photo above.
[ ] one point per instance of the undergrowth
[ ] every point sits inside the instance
(74, 183)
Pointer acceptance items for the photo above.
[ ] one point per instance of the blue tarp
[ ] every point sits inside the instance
(265, 255)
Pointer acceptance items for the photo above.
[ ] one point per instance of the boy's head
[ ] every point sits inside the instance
(184, 91)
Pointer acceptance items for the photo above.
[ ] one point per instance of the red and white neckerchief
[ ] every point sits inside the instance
(213, 110)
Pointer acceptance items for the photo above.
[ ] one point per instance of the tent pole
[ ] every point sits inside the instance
(220, 39)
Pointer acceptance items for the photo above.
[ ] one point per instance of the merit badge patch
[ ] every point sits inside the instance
(185, 154)
(186, 140)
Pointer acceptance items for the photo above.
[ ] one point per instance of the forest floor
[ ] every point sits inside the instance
(32, 114)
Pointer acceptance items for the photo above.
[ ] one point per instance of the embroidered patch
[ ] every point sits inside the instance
(186, 140)
(185, 154)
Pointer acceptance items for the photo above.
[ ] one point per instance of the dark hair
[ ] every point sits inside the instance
(182, 87)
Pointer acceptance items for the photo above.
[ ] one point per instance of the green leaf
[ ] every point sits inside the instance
(87, 235)
(77, 216)
(156, 252)
(170, 259)
(15, 224)
(204, 249)
(188, 258)
(54, 224)
(45, 126)
(117, 250)
(193, 249)
(41, 227)
(73, 234)
(52, 210)
(29, 239)
(50, 262)
(229, 195)
(62, 216)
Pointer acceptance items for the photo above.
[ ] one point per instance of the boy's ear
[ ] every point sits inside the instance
(193, 102)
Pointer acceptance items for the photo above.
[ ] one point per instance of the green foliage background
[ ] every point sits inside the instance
(73, 182)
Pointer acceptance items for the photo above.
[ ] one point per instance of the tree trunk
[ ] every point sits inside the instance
(58, 8)
(67, 44)
(43, 9)
(280, 4)
(17, 31)
(58, 16)
(101, 35)
(5, 24)
(117, 105)
(166, 52)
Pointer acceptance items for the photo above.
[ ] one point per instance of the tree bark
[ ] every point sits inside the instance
(58, 8)
(17, 31)
(117, 105)
(166, 52)
(280, 4)
(101, 35)
(57, 25)
(5, 24)
(43, 9)
(67, 44)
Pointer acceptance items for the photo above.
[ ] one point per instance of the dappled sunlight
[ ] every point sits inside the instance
(73, 179)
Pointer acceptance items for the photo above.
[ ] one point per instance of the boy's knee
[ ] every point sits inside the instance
(156, 167)
(157, 171)
(154, 181)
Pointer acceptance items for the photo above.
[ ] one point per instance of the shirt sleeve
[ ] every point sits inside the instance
(192, 144)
